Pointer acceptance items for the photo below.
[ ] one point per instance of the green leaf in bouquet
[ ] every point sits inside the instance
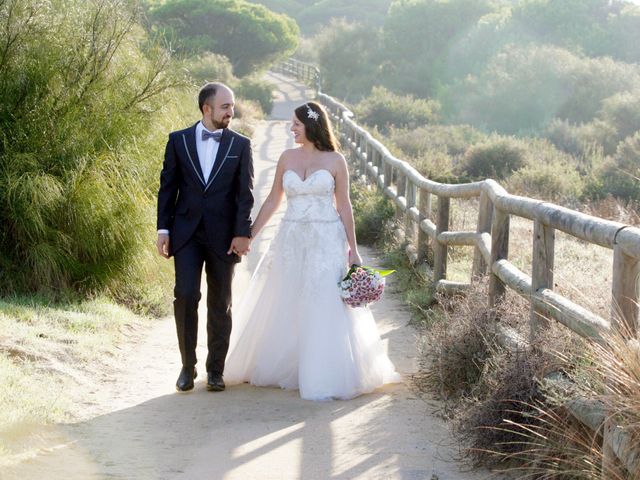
(384, 273)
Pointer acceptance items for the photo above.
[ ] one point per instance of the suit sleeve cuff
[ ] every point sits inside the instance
(245, 232)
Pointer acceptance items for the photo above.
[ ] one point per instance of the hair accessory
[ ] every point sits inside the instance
(312, 113)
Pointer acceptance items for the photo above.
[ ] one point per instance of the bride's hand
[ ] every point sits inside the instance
(354, 257)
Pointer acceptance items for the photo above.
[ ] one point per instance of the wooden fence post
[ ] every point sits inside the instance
(499, 251)
(368, 158)
(485, 215)
(379, 161)
(409, 230)
(425, 212)
(388, 173)
(401, 191)
(624, 314)
(350, 140)
(363, 150)
(624, 321)
(541, 273)
(440, 249)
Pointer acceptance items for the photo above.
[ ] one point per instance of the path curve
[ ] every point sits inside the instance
(138, 427)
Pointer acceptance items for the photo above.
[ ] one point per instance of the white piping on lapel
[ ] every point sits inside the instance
(184, 139)
(212, 177)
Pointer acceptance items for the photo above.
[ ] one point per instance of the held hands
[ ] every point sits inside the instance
(163, 245)
(239, 246)
(354, 258)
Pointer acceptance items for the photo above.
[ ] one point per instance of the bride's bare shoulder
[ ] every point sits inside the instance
(286, 158)
(289, 153)
(336, 159)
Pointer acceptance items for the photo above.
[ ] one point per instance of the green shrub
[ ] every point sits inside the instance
(257, 90)
(620, 175)
(247, 114)
(523, 88)
(557, 182)
(419, 37)
(622, 112)
(82, 130)
(348, 56)
(249, 35)
(372, 214)
(434, 150)
(549, 174)
(210, 67)
(451, 139)
(579, 139)
(496, 158)
(384, 109)
(436, 165)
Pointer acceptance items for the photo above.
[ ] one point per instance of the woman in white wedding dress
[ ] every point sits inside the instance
(292, 329)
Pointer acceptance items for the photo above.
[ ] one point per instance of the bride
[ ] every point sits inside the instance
(292, 329)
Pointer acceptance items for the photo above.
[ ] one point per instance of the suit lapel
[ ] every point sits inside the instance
(226, 142)
(189, 140)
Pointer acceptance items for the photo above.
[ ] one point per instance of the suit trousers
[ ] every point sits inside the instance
(188, 261)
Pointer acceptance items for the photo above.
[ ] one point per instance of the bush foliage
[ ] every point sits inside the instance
(349, 55)
(373, 215)
(314, 15)
(384, 109)
(497, 158)
(255, 89)
(81, 91)
(522, 89)
(250, 35)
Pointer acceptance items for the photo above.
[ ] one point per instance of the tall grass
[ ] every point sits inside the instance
(559, 446)
(84, 100)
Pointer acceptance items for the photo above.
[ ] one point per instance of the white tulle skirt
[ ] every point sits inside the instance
(291, 329)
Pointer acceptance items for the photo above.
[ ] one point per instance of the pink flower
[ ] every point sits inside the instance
(362, 285)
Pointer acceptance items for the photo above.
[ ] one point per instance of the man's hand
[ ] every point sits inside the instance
(239, 246)
(163, 244)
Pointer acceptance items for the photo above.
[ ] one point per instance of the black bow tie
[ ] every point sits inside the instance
(215, 135)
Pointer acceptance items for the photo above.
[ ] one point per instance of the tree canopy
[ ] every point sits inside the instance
(314, 15)
(250, 35)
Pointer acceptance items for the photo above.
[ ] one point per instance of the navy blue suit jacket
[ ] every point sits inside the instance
(223, 203)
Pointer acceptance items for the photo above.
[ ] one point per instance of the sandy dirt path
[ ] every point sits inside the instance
(136, 426)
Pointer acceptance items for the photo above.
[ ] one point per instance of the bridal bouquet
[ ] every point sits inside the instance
(362, 285)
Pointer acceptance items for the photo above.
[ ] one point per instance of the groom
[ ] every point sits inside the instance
(204, 219)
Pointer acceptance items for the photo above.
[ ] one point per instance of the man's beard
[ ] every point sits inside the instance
(224, 123)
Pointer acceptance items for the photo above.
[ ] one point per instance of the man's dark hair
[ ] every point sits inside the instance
(207, 93)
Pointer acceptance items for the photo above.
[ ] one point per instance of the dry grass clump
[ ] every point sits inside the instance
(605, 385)
(478, 361)
(456, 348)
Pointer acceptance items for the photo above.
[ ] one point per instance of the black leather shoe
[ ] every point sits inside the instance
(215, 382)
(185, 380)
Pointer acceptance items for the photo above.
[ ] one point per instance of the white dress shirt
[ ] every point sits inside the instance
(207, 151)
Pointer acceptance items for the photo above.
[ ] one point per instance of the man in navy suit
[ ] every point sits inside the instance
(204, 219)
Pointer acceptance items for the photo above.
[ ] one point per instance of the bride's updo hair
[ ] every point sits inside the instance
(317, 126)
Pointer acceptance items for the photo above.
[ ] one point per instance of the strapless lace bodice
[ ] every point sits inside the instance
(311, 199)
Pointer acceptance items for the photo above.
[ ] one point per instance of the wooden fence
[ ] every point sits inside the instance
(428, 226)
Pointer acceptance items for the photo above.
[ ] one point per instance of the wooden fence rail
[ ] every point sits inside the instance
(413, 196)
